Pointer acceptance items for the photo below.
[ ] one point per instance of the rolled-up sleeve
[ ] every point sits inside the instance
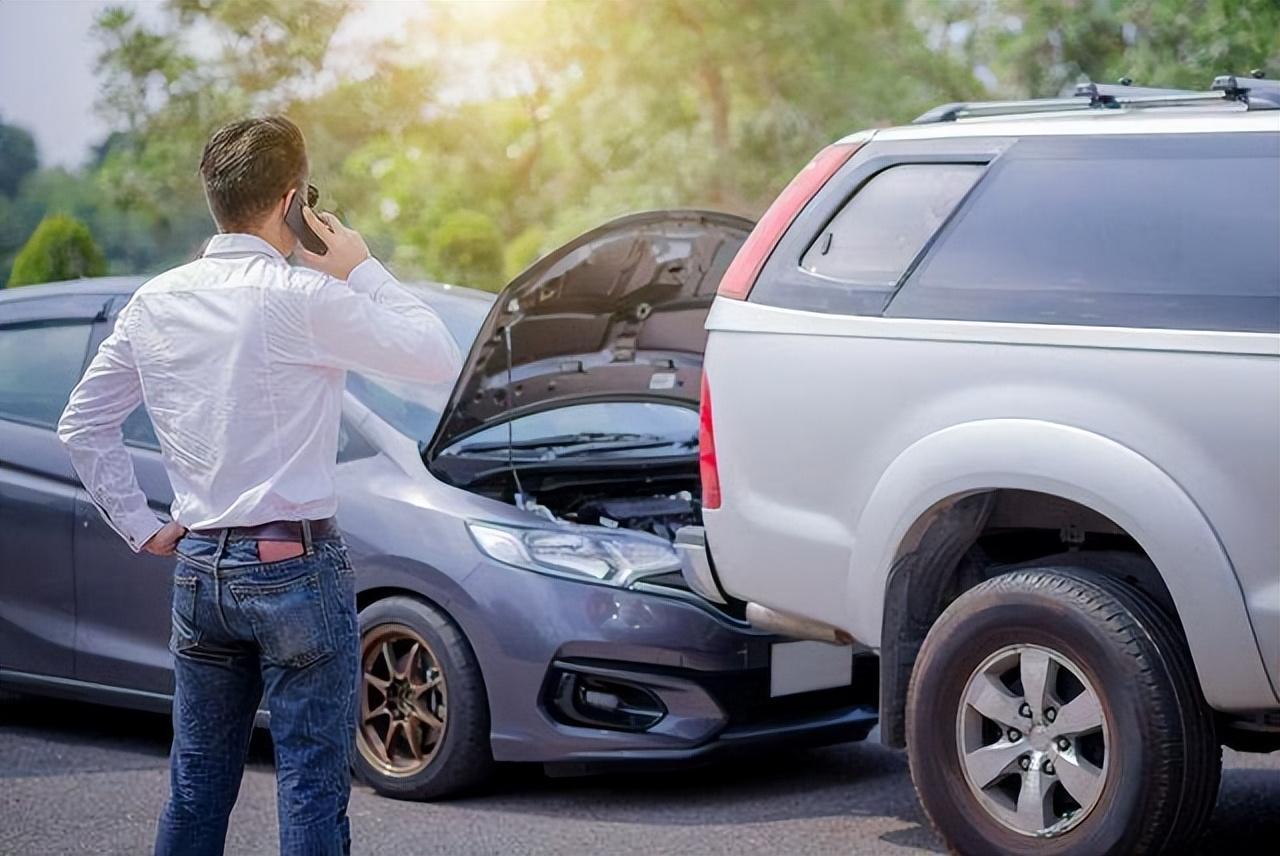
(372, 323)
(90, 428)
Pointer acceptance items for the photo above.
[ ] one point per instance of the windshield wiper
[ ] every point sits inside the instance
(621, 446)
(585, 439)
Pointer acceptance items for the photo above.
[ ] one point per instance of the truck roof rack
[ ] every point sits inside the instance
(1125, 93)
(1255, 92)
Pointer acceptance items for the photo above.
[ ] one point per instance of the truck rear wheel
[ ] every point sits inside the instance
(1053, 710)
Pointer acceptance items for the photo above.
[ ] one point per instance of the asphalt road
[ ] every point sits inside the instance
(86, 779)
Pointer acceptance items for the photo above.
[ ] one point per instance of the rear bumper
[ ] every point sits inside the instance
(699, 574)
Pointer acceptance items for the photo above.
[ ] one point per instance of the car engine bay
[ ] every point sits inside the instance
(657, 500)
(657, 514)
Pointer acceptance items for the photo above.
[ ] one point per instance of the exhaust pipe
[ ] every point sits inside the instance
(764, 618)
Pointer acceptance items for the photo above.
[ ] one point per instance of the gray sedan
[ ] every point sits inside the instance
(520, 598)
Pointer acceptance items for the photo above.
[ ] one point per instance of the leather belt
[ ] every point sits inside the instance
(276, 530)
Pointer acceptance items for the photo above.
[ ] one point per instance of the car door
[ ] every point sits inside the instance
(43, 347)
(122, 597)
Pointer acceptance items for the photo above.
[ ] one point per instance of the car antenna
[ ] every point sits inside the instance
(513, 306)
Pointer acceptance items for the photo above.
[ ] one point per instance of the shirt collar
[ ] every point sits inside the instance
(239, 244)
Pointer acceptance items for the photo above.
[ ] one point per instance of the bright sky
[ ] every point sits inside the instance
(46, 74)
(47, 52)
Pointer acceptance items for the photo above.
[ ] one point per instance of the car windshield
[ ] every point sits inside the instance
(414, 409)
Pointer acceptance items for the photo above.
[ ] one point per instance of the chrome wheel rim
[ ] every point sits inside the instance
(403, 701)
(1033, 740)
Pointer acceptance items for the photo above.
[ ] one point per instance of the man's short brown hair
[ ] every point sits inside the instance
(248, 165)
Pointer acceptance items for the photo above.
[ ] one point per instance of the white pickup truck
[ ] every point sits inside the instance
(997, 396)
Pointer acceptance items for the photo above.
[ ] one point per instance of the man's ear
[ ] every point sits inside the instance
(288, 199)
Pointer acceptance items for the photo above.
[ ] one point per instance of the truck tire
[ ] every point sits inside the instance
(418, 667)
(1056, 710)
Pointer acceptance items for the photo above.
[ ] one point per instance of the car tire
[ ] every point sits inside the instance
(457, 754)
(1144, 780)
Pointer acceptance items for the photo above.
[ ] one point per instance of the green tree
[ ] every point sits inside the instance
(525, 249)
(1041, 47)
(11, 236)
(60, 248)
(591, 110)
(466, 249)
(648, 103)
(525, 123)
(165, 101)
(18, 157)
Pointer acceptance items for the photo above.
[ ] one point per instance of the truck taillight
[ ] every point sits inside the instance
(745, 267)
(707, 451)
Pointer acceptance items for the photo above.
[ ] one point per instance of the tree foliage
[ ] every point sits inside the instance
(17, 157)
(466, 248)
(1040, 47)
(485, 134)
(60, 248)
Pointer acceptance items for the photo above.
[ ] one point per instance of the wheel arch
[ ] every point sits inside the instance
(380, 579)
(945, 480)
(382, 576)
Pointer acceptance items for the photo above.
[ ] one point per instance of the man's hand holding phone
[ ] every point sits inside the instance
(346, 248)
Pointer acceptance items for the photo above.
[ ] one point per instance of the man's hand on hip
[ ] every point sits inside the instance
(346, 248)
(165, 542)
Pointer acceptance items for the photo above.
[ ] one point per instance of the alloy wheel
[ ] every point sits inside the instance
(1033, 740)
(403, 701)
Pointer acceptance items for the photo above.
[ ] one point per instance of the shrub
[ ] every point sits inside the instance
(60, 248)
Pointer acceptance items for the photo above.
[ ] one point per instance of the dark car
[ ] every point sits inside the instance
(519, 595)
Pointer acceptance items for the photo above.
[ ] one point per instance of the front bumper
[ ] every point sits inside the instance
(541, 640)
(715, 715)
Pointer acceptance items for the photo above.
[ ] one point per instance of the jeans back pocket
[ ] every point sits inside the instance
(288, 617)
(185, 634)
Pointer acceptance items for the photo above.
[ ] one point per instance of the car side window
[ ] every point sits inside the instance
(39, 366)
(352, 445)
(138, 430)
(1169, 234)
(883, 227)
(847, 255)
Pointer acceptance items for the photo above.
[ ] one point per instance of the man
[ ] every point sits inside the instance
(240, 360)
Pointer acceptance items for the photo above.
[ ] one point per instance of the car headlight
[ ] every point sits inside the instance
(581, 551)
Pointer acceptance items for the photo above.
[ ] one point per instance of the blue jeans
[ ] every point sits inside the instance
(244, 630)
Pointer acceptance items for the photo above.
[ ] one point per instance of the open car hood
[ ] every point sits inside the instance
(615, 314)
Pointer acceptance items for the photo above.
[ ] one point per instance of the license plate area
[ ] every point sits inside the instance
(800, 667)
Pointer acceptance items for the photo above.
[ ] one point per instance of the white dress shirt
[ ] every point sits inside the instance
(241, 361)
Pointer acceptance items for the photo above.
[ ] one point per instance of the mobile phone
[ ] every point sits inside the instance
(293, 217)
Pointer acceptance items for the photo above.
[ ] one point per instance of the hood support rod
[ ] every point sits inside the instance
(511, 462)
